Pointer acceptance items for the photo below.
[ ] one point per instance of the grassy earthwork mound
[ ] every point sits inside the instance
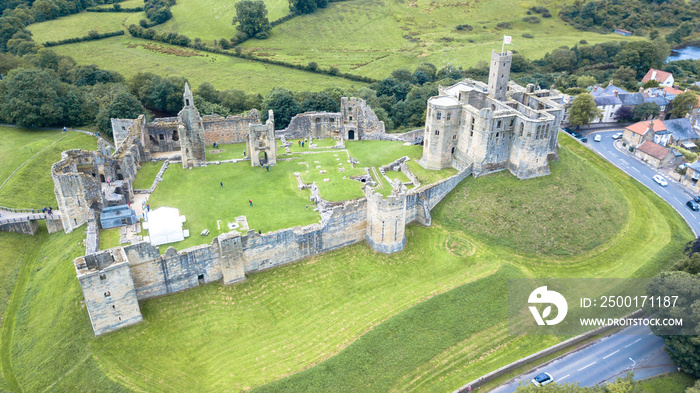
(324, 314)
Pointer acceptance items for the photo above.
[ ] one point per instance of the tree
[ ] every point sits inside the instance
(207, 91)
(31, 98)
(689, 265)
(646, 110)
(684, 103)
(320, 102)
(650, 83)
(585, 81)
(124, 105)
(624, 114)
(694, 389)
(251, 17)
(684, 345)
(284, 105)
(583, 110)
(303, 6)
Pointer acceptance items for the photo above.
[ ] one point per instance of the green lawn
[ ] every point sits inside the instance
(339, 187)
(670, 383)
(295, 317)
(224, 72)
(373, 38)
(146, 175)
(211, 19)
(32, 186)
(79, 25)
(232, 151)
(109, 238)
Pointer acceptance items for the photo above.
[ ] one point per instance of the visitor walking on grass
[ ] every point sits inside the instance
(222, 184)
(268, 168)
(250, 201)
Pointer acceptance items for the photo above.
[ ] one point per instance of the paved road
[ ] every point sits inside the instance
(673, 193)
(605, 360)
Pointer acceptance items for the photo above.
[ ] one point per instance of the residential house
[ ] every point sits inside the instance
(661, 101)
(654, 154)
(692, 174)
(637, 133)
(664, 78)
(682, 132)
(608, 105)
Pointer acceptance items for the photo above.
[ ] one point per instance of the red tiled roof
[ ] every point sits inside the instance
(653, 149)
(672, 90)
(661, 76)
(641, 127)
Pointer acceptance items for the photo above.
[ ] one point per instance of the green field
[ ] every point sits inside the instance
(310, 315)
(79, 25)
(146, 175)
(373, 38)
(224, 72)
(31, 186)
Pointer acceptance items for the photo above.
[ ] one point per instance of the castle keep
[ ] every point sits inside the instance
(493, 127)
(474, 127)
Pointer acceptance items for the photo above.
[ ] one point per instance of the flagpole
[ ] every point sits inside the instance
(503, 44)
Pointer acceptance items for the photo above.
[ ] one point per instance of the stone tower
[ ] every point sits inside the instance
(499, 74)
(108, 288)
(261, 143)
(192, 133)
(441, 132)
(386, 219)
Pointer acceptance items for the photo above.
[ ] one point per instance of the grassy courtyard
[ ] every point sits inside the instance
(354, 318)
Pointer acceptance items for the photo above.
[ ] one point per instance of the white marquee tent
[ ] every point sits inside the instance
(165, 226)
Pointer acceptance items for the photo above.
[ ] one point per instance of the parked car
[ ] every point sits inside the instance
(583, 139)
(696, 199)
(617, 136)
(542, 379)
(692, 205)
(576, 134)
(597, 138)
(660, 180)
(568, 130)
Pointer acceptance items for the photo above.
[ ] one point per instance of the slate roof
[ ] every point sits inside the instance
(607, 91)
(631, 99)
(681, 129)
(653, 149)
(659, 100)
(606, 100)
(695, 166)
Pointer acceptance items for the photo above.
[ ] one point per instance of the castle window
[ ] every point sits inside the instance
(438, 115)
(318, 120)
(453, 150)
(187, 102)
(350, 118)
(176, 137)
(437, 132)
(123, 128)
(521, 129)
(498, 125)
(497, 135)
(114, 307)
(472, 120)
(471, 133)
(512, 121)
(103, 276)
(331, 120)
(161, 137)
(454, 136)
(448, 116)
(108, 294)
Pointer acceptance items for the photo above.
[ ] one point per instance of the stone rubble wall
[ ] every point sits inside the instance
(25, 227)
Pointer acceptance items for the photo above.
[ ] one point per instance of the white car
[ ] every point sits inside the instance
(617, 136)
(597, 138)
(660, 180)
(542, 379)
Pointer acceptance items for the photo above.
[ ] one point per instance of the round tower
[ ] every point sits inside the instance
(386, 219)
(441, 132)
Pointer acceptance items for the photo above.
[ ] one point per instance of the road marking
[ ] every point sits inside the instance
(563, 377)
(611, 354)
(650, 333)
(679, 201)
(629, 345)
(585, 367)
(636, 169)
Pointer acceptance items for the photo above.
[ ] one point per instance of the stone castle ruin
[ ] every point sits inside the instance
(473, 127)
(493, 127)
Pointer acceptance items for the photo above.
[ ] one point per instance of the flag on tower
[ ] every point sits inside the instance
(506, 39)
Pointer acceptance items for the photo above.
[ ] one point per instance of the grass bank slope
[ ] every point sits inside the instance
(79, 25)
(31, 186)
(224, 72)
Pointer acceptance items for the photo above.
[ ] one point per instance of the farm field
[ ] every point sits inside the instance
(224, 72)
(373, 38)
(321, 314)
(79, 25)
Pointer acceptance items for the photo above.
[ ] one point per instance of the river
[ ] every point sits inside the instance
(687, 53)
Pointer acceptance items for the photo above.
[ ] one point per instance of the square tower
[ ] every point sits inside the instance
(499, 74)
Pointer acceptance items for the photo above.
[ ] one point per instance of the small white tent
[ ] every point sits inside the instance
(165, 226)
